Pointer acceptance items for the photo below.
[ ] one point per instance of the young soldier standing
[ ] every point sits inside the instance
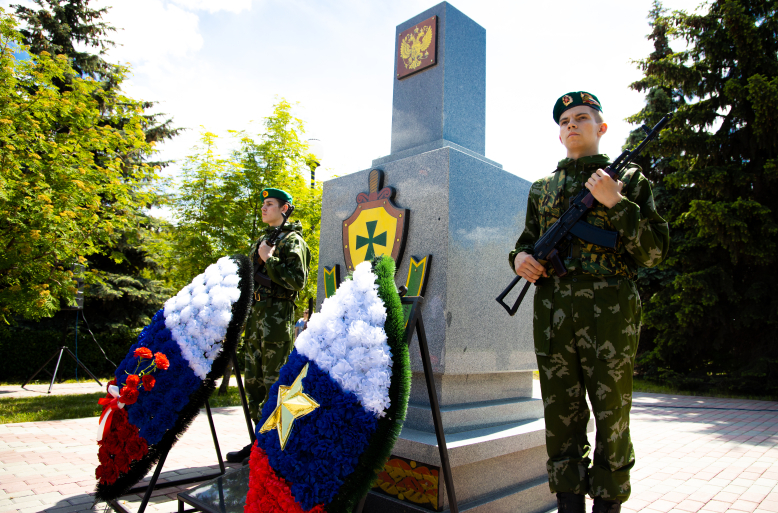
(270, 329)
(587, 324)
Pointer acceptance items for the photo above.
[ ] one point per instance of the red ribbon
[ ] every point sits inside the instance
(110, 404)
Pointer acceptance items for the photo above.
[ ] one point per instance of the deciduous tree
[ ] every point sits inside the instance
(69, 177)
(126, 272)
(218, 205)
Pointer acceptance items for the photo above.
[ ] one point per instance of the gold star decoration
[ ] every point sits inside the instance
(293, 403)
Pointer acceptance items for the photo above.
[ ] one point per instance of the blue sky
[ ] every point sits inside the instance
(219, 65)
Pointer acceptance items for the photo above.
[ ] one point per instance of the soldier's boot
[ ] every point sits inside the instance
(238, 456)
(603, 506)
(568, 502)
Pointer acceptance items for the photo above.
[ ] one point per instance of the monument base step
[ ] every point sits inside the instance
(460, 418)
(472, 446)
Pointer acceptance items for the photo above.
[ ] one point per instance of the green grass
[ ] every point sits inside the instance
(642, 385)
(60, 407)
(650, 387)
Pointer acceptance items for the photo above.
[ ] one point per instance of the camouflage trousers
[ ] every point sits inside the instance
(586, 331)
(269, 339)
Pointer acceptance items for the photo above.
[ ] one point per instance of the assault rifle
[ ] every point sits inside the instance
(310, 312)
(558, 237)
(272, 240)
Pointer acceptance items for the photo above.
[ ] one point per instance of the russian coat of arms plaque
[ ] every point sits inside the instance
(417, 49)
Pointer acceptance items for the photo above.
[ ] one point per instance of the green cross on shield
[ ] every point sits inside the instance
(371, 239)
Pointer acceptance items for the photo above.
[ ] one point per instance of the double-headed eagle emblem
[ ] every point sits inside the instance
(414, 46)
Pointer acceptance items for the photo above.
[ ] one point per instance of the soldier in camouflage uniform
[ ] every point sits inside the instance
(269, 336)
(587, 324)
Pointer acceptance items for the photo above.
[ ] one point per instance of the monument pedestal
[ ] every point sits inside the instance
(467, 212)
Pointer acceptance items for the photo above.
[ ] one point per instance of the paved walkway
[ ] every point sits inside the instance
(693, 454)
(704, 454)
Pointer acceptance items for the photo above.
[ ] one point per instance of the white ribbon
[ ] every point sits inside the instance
(105, 417)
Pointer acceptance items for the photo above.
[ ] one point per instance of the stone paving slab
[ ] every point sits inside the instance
(693, 454)
(49, 466)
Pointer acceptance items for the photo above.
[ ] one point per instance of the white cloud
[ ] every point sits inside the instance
(212, 6)
(150, 32)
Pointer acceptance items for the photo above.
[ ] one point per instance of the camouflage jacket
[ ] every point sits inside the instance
(288, 267)
(644, 236)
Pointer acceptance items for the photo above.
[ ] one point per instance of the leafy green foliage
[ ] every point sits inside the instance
(711, 312)
(69, 177)
(125, 270)
(219, 200)
(201, 204)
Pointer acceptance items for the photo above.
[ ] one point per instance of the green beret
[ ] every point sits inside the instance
(574, 99)
(278, 194)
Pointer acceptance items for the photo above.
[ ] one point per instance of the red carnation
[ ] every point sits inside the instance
(113, 444)
(148, 382)
(133, 380)
(267, 491)
(136, 448)
(144, 446)
(128, 395)
(122, 462)
(125, 432)
(103, 455)
(143, 352)
(112, 382)
(108, 474)
(119, 416)
(161, 361)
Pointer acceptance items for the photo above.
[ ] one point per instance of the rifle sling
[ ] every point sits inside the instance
(262, 279)
(594, 235)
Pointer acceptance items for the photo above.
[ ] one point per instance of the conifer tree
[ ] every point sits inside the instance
(128, 285)
(68, 179)
(57, 27)
(710, 310)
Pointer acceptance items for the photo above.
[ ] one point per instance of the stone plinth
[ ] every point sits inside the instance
(467, 212)
(425, 108)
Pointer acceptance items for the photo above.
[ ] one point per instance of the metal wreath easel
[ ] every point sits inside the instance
(416, 324)
(153, 485)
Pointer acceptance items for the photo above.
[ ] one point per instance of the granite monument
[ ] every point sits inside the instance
(467, 212)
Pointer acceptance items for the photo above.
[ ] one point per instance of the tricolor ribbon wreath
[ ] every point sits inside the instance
(338, 406)
(169, 373)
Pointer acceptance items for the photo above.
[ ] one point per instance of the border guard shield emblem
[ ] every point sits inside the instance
(377, 226)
